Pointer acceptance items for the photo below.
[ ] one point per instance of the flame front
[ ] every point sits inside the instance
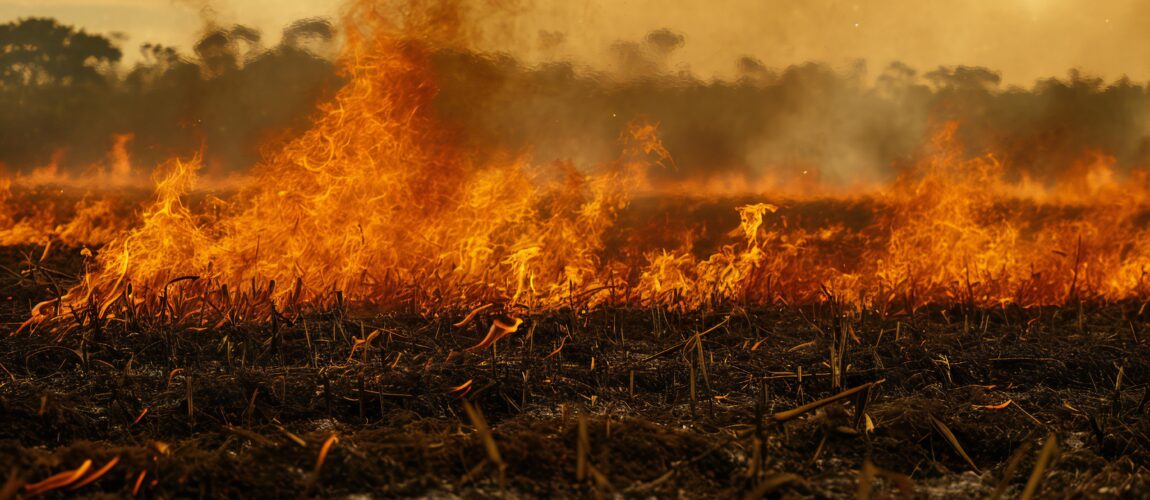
(376, 203)
(379, 205)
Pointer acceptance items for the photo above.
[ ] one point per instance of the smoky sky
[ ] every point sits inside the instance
(1023, 39)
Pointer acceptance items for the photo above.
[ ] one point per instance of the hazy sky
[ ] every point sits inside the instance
(170, 22)
(1025, 39)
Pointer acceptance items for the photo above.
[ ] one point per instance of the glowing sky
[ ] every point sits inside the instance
(1025, 39)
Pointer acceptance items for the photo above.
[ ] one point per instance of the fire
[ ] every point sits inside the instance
(44, 205)
(378, 205)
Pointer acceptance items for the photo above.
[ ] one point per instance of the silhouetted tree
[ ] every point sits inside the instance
(38, 51)
(63, 99)
(230, 96)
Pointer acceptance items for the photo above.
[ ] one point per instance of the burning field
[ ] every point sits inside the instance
(430, 285)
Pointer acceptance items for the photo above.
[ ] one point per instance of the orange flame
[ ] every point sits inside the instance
(377, 203)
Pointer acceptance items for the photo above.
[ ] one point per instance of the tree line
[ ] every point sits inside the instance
(65, 96)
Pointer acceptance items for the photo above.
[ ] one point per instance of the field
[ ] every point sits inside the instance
(779, 401)
(459, 275)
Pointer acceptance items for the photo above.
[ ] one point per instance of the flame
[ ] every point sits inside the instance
(378, 204)
(43, 205)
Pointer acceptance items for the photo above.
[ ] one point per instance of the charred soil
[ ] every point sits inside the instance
(787, 401)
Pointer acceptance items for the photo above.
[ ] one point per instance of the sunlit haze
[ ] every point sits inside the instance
(1023, 39)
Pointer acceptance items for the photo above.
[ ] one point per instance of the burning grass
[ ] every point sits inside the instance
(379, 207)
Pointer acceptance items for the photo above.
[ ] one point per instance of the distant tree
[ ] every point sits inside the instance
(964, 79)
(43, 52)
(63, 100)
(161, 66)
(271, 93)
(224, 51)
(753, 70)
(160, 99)
(312, 35)
(665, 40)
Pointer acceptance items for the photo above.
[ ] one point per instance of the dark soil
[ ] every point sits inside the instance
(614, 402)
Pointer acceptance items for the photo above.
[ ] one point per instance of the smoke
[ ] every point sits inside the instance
(209, 15)
(1026, 40)
(806, 123)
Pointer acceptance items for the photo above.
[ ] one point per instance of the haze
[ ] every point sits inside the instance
(1023, 39)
